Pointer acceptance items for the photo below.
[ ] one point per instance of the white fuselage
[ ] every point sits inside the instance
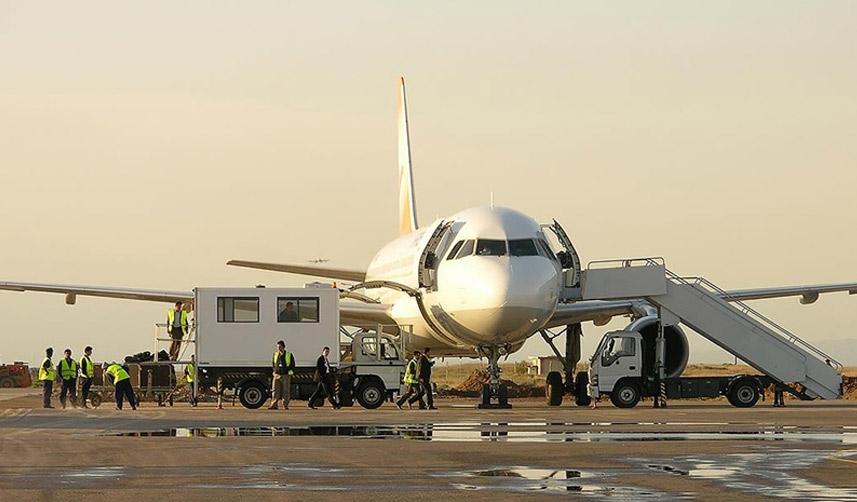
(496, 288)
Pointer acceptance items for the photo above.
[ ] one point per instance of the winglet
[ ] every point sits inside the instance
(407, 204)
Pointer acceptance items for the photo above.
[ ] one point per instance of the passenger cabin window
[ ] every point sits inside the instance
(237, 309)
(490, 247)
(523, 247)
(466, 249)
(455, 249)
(297, 309)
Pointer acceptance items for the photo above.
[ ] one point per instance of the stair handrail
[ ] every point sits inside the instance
(748, 310)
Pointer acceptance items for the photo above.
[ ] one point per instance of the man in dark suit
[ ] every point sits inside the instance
(424, 376)
(324, 377)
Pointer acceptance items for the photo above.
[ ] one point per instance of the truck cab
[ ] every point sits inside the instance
(618, 357)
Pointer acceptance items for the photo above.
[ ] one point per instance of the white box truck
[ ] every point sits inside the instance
(236, 331)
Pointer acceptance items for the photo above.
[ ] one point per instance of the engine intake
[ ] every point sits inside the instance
(677, 349)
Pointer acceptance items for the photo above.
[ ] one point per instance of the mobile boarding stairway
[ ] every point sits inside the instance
(732, 325)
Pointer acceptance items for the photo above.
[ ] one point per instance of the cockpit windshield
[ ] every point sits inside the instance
(490, 247)
(523, 247)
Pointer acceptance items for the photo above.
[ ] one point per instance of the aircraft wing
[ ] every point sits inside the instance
(808, 294)
(72, 291)
(327, 272)
(361, 314)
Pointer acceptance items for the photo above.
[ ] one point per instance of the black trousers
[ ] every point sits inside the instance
(69, 388)
(123, 389)
(424, 392)
(47, 390)
(413, 394)
(324, 389)
(85, 384)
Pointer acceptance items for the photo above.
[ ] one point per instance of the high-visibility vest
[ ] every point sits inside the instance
(68, 369)
(118, 373)
(47, 374)
(288, 356)
(171, 317)
(86, 368)
(189, 373)
(410, 372)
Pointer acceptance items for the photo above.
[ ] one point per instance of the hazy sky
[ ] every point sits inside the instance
(145, 144)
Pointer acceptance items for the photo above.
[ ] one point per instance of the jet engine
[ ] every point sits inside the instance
(677, 349)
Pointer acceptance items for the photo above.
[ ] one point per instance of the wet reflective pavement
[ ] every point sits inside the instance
(510, 432)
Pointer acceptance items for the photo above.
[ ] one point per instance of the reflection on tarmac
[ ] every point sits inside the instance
(504, 431)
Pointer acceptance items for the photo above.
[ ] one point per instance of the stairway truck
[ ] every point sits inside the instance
(621, 369)
(236, 332)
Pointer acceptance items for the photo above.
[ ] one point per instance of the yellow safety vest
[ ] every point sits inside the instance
(47, 374)
(68, 369)
(410, 372)
(118, 373)
(171, 316)
(89, 371)
(189, 370)
(288, 356)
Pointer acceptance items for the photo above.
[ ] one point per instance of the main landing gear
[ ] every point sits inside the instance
(557, 384)
(494, 394)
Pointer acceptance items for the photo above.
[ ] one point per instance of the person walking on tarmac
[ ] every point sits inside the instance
(412, 381)
(67, 369)
(122, 383)
(424, 365)
(189, 374)
(324, 377)
(47, 375)
(281, 383)
(87, 373)
(177, 327)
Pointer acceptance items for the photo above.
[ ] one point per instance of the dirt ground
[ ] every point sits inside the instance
(689, 451)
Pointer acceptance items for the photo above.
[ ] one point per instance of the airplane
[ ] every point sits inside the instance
(477, 283)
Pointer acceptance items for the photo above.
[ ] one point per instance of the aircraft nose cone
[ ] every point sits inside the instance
(504, 300)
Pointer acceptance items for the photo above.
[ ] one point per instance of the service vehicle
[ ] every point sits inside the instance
(15, 375)
(235, 331)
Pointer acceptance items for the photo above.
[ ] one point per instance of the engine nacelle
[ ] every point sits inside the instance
(677, 348)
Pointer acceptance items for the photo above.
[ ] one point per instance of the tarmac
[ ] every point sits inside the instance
(692, 450)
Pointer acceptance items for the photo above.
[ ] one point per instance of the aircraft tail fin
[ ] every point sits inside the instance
(407, 203)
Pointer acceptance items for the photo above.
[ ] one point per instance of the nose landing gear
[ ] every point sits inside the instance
(494, 394)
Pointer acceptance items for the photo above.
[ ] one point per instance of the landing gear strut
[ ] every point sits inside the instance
(494, 394)
(557, 385)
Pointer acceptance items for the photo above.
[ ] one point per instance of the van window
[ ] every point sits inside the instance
(237, 309)
(297, 309)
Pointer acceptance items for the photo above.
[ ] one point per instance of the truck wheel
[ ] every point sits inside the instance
(95, 400)
(581, 389)
(625, 394)
(6, 383)
(253, 394)
(553, 388)
(371, 394)
(743, 393)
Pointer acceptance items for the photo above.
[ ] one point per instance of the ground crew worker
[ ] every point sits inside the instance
(281, 384)
(411, 380)
(189, 376)
(67, 369)
(47, 375)
(778, 396)
(424, 377)
(87, 373)
(177, 328)
(121, 382)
